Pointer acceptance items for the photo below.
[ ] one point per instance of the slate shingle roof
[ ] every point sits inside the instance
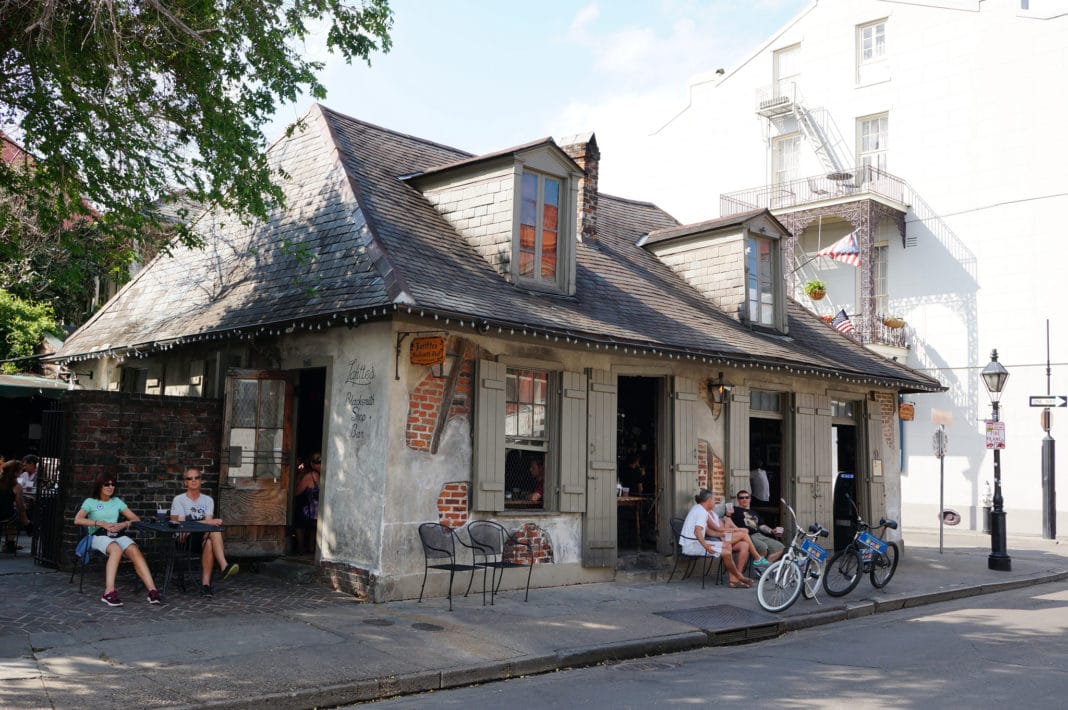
(355, 237)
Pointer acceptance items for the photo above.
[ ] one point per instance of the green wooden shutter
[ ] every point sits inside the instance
(812, 475)
(874, 474)
(599, 523)
(572, 462)
(488, 455)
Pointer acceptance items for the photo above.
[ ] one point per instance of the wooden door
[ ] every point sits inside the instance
(684, 442)
(254, 476)
(599, 523)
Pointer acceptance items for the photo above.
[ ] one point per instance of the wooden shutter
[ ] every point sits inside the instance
(572, 462)
(813, 477)
(488, 455)
(684, 435)
(599, 523)
(874, 475)
(738, 440)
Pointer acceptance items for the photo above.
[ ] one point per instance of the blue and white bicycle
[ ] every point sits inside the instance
(865, 553)
(799, 570)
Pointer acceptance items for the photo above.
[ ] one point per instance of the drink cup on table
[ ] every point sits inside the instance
(161, 515)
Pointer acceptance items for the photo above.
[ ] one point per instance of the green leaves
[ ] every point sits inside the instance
(23, 325)
(121, 102)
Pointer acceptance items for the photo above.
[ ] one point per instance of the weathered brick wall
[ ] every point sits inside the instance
(710, 471)
(887, 402)
(539, 540)
(453, 504)
(425, 401)
(349, 579)
(145, 441)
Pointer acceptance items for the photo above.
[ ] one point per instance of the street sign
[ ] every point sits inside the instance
(1048, 400)
(995, 435)
(940, 442)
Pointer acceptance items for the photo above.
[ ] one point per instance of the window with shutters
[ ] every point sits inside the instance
(528, 397)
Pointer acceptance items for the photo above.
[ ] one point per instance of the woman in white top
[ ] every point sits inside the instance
(694, 541)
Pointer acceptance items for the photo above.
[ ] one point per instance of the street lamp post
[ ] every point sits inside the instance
(994, 377)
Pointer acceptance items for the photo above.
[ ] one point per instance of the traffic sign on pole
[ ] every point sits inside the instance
(1048, 400)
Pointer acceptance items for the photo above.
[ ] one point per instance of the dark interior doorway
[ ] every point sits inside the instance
(637, 462)
(845, 483)
(765, 454)
(311, 396)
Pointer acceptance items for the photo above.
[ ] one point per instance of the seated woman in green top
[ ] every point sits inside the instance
(100, 513)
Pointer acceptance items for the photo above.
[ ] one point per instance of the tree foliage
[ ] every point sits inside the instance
(23, 325)
(122, 101)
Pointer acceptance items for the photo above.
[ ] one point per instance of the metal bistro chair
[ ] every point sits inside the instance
(709, 560)
(439, 546)
(492, 541)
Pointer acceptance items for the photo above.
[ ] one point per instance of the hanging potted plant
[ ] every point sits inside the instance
(894, 322)
(815, 289)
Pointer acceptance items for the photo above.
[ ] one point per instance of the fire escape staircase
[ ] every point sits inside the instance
(822, 137)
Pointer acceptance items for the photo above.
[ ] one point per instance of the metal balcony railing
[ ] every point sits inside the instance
(877, 333)
(864, 180)
(776, 98)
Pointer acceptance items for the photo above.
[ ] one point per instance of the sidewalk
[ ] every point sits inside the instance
(298, 646)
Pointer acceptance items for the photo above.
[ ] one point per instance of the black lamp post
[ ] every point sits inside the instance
(994, 377)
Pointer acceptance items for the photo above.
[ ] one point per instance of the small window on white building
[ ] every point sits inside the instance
(787, 71)
(871, 52)
(879, 264)
(872, 136)
(785, 151)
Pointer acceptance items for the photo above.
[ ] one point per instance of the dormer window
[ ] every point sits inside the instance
(539, 228)
(761, 268)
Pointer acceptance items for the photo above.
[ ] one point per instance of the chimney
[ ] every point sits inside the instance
(584, 151)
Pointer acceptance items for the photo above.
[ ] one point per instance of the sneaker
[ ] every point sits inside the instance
(230, 571)
(205, 591)
(761, 563)
(153, 596)
(111, 599)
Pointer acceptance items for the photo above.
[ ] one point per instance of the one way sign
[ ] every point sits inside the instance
(1049, 400)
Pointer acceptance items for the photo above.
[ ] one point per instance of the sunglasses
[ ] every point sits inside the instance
(192, 478)
(743, 497)
(108, 483)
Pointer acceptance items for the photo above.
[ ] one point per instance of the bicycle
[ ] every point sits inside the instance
(866, 553)
(798, 572)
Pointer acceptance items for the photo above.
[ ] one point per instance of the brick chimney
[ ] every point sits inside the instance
(584, 151)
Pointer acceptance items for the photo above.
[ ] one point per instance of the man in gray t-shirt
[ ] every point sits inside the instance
(196, 506)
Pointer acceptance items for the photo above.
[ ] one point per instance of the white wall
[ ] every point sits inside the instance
(975, 105)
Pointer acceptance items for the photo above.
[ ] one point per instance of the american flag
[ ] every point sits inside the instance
(845, 250)
(841, 323)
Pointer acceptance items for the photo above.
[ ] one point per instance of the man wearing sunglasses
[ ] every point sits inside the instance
(762, 535)
(193, 505)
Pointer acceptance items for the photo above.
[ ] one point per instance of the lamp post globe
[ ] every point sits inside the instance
(994, 377)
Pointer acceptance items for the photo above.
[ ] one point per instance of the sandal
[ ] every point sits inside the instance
(739, 584)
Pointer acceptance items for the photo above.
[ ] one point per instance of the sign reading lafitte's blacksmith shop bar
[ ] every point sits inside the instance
(427, 351)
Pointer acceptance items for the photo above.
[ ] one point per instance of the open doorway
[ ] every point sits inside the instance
(765, 468)
(844, 465)
(307, 483)
(639, 468)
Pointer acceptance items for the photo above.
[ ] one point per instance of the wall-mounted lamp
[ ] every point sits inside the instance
(718, 389)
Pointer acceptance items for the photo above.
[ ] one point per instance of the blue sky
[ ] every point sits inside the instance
(482, 75)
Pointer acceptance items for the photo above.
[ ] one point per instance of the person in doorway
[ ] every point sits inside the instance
(306, 499)
(194, 505)
(28, 481)
(758, 481)
(12, 505)
(100, 514)
(762, 535)
(696, 541)
(632, 476)
(537, 474)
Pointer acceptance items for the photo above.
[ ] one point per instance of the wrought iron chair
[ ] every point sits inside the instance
(439, 552)
(492, 543)
(708, 559)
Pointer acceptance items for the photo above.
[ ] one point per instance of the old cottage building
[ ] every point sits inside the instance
(487, 336)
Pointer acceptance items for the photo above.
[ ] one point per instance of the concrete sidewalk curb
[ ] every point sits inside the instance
(422, 682)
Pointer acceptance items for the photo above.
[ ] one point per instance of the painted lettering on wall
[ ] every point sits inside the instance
(360, 400)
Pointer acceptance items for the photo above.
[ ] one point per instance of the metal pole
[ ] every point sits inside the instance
(1049, 489)
(941, 485)
(999, 559)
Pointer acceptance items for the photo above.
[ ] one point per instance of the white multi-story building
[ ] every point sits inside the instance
(931, 131)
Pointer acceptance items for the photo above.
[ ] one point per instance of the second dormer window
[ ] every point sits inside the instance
(539, 228)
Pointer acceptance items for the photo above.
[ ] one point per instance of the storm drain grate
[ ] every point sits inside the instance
(728, 624)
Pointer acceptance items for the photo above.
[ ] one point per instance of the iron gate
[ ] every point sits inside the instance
(48, 506)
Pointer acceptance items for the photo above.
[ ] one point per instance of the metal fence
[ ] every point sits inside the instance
(861, 181)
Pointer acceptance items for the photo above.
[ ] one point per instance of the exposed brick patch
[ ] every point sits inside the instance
(719, 476)
(349, 579)
(425, 401)
(453, 504)
(888, 414)
(702, 464)
(710, 471)
(539, 540)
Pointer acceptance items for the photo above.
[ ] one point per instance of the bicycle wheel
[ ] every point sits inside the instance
(813, 575)
(884, 566)
(779, 586)
(843, 572)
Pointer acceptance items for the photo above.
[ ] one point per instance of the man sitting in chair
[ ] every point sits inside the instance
(196, 506)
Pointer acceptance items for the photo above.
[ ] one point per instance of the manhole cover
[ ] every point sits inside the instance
(644, 665)
(720, 617)
(378, 622)
(420, 626)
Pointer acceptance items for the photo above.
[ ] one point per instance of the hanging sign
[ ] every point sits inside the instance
(995, 435)
(906, 411)
(427, 351)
